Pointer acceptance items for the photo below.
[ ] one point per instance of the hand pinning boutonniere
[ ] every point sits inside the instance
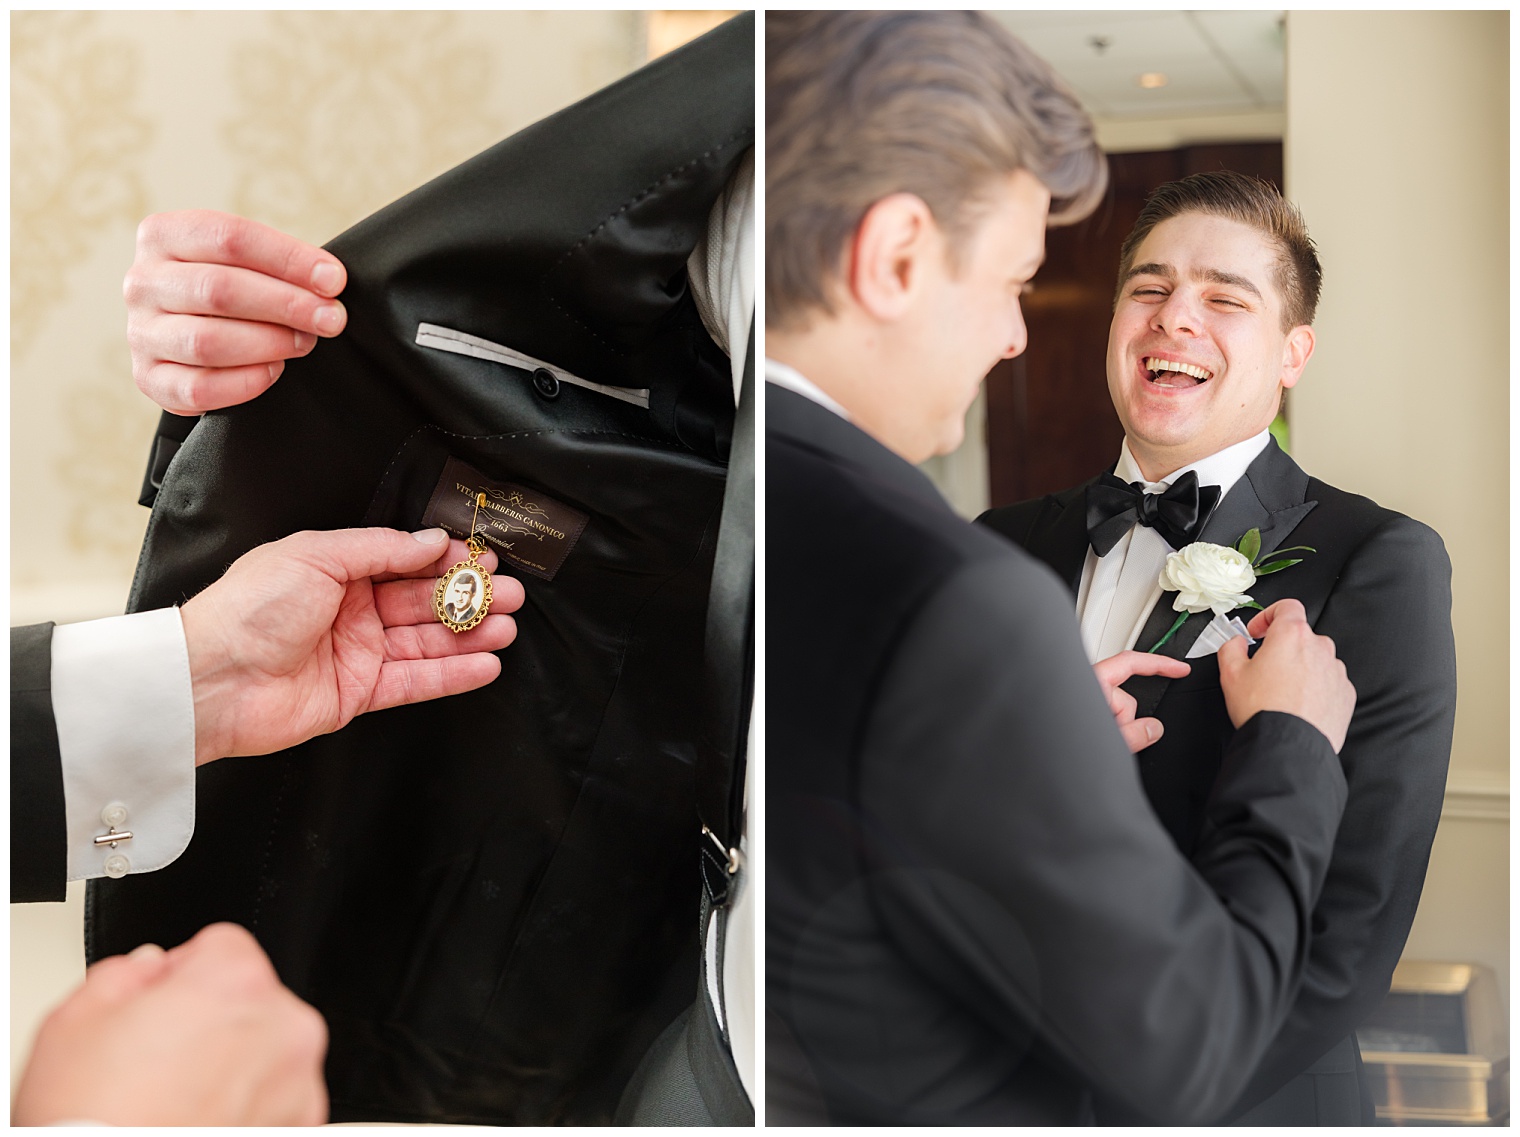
(1214, 578)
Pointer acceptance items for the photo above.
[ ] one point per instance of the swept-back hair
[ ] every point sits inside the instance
(1253, 202)
(862, 105)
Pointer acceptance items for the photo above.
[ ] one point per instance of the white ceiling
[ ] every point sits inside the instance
(1216, 62)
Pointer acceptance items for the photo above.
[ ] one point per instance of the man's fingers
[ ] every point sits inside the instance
(455, 552)
(417, 680)
(1123, 704)
(1283, 610)
(487, 560)
(202, 341)
(186, 390)
(1232, 655)
(353, 554)
(1117, 668)
(434, 641)
(120, 977)
(1140, 733)
(210, 237)
(217, 303)
(232, 293)
(404, 602)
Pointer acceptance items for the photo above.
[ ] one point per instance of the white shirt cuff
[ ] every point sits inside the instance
(126, 735)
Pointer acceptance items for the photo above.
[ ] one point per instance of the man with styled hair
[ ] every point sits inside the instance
(461, 603)
(972, 916)
(1213, 320)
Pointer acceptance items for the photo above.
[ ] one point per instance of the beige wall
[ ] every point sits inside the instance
(1125, 135)
(307, 121)
(1397, 151)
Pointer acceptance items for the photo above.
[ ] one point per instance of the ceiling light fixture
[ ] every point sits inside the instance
(1152, 79)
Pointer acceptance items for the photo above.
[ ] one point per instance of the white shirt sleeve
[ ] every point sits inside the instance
(126, 735)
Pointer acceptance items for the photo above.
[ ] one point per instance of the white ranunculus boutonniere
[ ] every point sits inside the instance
(1214, 578)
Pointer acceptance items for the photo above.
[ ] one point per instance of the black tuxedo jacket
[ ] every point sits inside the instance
(492, 898)
(39, 830)
(1380, 586)
(971, 915)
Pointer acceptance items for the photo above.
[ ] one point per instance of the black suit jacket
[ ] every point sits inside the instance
(1380, 586)
(971, 915)
(39, 833)
(491, 898)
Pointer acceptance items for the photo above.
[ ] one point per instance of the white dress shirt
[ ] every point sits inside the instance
(126, 739)
(1119, 590)
(793, 380)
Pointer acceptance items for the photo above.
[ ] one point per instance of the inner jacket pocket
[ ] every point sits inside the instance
(462, 343)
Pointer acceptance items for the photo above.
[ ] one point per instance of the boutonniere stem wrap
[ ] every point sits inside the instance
(1215, 578)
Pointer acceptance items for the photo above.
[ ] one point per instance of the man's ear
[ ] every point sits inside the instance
(1297, 349)
(887, 257)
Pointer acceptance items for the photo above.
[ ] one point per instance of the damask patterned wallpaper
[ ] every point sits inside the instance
(308, 121)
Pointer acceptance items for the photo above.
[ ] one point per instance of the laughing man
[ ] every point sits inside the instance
(1213, 318)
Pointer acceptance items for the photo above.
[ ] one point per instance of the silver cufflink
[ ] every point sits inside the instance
(112, 816)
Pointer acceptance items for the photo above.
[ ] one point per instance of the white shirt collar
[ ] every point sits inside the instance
(1222, 469)
(793, 380)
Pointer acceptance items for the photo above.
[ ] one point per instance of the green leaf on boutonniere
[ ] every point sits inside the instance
(1294, 549)
(1249, 545)
(1253, 604)
(1278, 566)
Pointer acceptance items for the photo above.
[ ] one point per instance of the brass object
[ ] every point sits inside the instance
(459, 610)
(1436, 1051)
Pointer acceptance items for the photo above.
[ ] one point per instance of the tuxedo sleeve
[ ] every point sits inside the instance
(1390, 618)
(39, 851)
(1027, 875)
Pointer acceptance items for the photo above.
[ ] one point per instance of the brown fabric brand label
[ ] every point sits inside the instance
(526, 528)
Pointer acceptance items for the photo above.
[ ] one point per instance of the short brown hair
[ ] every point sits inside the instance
(862, 105)
(1253, 202)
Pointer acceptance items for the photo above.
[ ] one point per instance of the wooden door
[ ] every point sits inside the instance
(1050, 424)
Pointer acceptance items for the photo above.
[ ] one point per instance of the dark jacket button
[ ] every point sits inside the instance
(545, 383)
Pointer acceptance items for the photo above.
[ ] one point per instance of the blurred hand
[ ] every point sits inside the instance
(204, 1034)
(217, 303)
(1294, 670)
(303, 634)
(1138, 733)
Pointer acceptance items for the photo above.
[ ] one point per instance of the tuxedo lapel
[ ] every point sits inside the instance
(1062, 542)
(1148, 689)
(1270, 497)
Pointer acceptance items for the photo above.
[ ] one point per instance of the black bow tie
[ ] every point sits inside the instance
(1178, 514)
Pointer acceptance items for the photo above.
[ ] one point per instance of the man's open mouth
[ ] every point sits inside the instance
(1172, 373)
